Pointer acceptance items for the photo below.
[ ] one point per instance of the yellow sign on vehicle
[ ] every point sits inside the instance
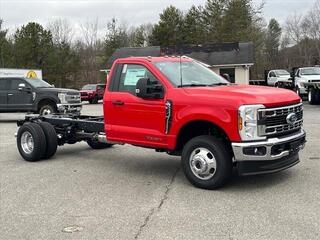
(32, 74)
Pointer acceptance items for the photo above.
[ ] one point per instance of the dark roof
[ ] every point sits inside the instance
(153, 51)
(242, 55)
(211, 54)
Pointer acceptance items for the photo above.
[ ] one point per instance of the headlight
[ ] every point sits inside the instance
(62, 97)
(248, 122)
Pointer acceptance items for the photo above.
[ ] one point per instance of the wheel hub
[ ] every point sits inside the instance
(203, 163)
(27, 142)
(46, 111)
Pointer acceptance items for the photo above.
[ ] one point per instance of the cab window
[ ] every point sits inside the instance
(3, 84)
(272, 74)
(14, 83)
(130, 75)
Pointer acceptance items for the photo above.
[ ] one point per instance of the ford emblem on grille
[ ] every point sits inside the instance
(292, 118)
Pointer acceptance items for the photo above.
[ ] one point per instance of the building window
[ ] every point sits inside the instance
(230, 72)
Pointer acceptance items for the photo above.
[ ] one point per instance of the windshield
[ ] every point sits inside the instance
(89, 87)
(310, 71)
(282, 72)
(191, 74)
(38, 83)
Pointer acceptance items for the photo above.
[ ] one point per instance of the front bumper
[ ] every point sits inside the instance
(86, 98)
(272, 155)
(74, 108)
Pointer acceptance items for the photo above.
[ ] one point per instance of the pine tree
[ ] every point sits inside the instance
(273, 37)
(168, 30)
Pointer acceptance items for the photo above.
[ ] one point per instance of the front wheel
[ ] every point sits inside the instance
(206, 162)
(313, 96)
(47, 109)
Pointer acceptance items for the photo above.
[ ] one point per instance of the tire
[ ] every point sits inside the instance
(98, 145)
(31, 131)
(90, 101)
(215, 150)
(47, 109)
(95, 100)
(51, 139)
(313, 96)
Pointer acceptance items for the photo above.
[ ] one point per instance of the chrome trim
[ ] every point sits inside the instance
(240, 156)
(280, 108)
(279, 112)
(69, 104)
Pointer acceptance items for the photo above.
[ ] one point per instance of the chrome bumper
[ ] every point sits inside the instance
(69, 108)
(239, 155)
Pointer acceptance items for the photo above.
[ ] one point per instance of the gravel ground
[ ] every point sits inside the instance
(133, 193)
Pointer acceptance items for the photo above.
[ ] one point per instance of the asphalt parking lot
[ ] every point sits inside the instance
(133, 193)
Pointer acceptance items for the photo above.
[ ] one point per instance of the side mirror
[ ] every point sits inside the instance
(145, 88)
(23, 87)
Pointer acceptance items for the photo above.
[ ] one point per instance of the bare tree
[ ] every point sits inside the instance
(61, 31)
(90, 51)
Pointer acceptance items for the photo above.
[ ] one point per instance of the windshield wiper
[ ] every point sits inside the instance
(193, 85)
(219, 84)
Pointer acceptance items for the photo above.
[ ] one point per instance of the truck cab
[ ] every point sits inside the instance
(275, 78)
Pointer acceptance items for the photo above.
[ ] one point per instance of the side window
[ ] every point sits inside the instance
(272, 74)
(130, 75)
(298, 72)
(3, 84)
(14, 83)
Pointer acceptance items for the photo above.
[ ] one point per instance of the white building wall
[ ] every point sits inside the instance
(242, 75)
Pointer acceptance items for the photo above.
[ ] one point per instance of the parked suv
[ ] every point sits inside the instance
(37, 96)
(92, 92)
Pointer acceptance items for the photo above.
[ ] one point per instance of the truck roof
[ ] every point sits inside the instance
(158, 59)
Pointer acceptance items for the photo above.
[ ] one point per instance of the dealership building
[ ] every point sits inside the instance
(234, 59)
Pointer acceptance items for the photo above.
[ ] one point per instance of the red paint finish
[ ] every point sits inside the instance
(142, 122)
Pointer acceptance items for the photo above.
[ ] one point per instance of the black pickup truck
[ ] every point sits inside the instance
(36, 96)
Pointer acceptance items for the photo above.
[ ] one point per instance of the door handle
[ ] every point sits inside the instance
(117, 103)
(10, 94)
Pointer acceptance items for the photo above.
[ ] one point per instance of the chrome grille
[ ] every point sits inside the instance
(273, 121)
(73, 97)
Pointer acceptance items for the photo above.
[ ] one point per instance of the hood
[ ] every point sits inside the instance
(59, 90)
(311, 77)
(87, 91)
(284, 76)
(245, 95)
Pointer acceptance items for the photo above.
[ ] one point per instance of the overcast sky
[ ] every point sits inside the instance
(133, 12)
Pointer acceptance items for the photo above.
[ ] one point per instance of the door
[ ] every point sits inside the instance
(132, 119)
(20, 100)
(3, 94)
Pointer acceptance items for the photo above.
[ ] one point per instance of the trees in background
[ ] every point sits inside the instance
(66, 61)
(272, 43)
(5, 47)
(168, 31)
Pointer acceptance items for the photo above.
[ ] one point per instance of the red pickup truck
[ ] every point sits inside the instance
(92, 93)
(178, 106)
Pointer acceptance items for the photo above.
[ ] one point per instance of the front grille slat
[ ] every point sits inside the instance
(273, 121)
